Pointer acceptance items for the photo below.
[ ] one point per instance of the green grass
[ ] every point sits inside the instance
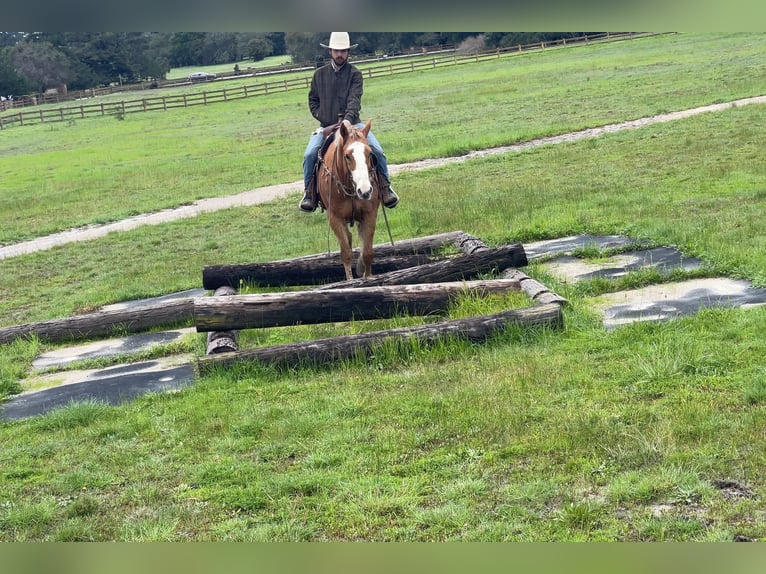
(271, 61)
(537, 435)
(158, 160)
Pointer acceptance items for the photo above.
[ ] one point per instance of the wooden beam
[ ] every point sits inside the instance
(321, 351)
(105, 323)
(458, 268)
(311, 307)
(536, 291)
(326, 267)
(424, 245)
(299, 271)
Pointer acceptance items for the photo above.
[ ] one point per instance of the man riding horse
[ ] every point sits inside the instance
(336, 96)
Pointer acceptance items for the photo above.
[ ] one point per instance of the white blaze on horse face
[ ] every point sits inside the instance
(360, 174)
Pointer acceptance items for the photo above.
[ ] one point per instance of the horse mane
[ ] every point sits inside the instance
(338, 141)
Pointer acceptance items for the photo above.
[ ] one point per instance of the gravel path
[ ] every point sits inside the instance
(266, 194)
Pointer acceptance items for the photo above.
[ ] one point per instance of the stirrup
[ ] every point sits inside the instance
(307, 203)
(389, 198)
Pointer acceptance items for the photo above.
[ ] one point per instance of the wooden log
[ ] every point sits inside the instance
(105, 323)
(469, 244)
(310, 307)
(458, 268)
(299, 271)
(321, 351)
(425, 245)
(536, 291)
(326, 267)
(223, 341)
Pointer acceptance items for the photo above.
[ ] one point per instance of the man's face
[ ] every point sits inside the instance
(340, 57)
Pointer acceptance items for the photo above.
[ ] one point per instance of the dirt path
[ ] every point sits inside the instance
(266, 194)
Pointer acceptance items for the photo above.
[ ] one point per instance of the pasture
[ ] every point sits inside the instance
(573, 435)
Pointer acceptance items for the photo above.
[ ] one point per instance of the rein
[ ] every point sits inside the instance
(348, 191)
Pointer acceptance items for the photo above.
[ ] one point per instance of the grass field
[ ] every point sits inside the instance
(183, 72)
(570, 435)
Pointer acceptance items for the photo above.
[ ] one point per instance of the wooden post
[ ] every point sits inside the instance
(311, 307)
(322, 351)
(222, 341)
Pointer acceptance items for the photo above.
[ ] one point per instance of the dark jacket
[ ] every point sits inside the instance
(333, 93)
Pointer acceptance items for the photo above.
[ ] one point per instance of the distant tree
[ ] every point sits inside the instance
(10, 81)
(100, 58)
(277, 41)
(219, 48)
(40, 64)
(111, 56)
(11, 38)
(185, 48)
(429, 39)
(508, 39)
(472, 45)
(259, 48)
(304, 47)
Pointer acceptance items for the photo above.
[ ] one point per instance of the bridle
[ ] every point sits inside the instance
(341, 186)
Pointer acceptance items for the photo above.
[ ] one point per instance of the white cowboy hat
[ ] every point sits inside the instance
(339, 41)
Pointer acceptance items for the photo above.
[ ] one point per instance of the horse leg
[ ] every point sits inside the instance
(343, 234)
(366, 234)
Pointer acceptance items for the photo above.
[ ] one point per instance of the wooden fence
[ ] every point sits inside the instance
(81, 110)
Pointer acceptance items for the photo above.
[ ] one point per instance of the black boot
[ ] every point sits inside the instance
(308, 203)
(389, 197)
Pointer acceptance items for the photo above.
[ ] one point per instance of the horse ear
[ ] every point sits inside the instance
(343, 130)
(366, 128)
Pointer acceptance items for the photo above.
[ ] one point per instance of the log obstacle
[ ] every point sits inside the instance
(421, 289)
(535, 290)
(105, 323)
(308, 271)
(458, 268)
(223, 341)
(321, 351)
(311, 307)
(326, 268)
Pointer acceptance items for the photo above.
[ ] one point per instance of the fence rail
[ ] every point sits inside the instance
(163, 103)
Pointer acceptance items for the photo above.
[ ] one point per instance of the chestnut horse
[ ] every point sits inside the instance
(348, 190)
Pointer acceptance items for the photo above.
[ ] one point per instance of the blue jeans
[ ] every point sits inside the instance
(315, 143)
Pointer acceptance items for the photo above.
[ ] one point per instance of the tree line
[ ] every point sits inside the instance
(35, 61)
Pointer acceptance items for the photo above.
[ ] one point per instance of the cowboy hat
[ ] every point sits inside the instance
(339, 41)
